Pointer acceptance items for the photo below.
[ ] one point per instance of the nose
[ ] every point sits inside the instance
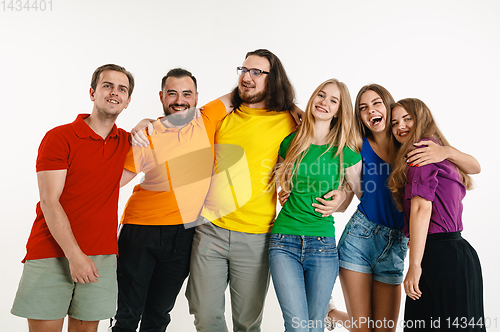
(247, 76)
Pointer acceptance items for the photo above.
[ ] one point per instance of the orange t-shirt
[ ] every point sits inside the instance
(178, 166)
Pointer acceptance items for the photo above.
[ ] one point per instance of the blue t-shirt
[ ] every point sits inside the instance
(377, 203)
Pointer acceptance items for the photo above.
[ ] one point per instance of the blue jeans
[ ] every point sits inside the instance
(304, 269)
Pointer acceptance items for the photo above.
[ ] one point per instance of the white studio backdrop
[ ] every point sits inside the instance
(443, 52)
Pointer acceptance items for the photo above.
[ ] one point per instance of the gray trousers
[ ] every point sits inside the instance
(220, 257)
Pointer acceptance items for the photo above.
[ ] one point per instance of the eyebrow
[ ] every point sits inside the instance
(371, 101)
(120, 85)
(172, 90)
(326, 93)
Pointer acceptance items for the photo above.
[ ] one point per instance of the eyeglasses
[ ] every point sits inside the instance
(254, 72)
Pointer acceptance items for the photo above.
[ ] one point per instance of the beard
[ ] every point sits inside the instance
(248, 98)
(179, 119)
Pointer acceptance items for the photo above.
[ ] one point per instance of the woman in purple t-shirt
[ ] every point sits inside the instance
(444, 282)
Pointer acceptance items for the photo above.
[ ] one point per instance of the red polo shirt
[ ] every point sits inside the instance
(90, 195)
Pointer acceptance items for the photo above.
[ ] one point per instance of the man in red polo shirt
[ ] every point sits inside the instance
(70, 265)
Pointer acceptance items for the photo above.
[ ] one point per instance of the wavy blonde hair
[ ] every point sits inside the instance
(340, 135)
(424, 126)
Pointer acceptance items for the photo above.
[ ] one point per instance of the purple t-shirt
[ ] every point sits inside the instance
(440, 183)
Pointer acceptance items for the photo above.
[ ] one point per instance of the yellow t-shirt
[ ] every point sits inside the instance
(242, 196)
(178, 165)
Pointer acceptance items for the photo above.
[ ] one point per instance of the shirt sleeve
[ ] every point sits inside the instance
(214, 111)
(53, 153)
(140, 159)
(285, 144)
(422, 181)
(350, 157)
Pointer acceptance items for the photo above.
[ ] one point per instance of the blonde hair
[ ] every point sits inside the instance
(340, 135)
(424, 126)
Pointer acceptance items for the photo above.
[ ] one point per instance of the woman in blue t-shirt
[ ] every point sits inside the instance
(315, 159)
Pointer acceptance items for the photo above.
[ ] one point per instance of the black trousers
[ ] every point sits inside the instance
(153, 262)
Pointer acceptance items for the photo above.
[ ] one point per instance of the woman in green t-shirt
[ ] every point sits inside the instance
(318, 157)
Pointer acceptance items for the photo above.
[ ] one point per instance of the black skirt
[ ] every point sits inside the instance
(451, 286)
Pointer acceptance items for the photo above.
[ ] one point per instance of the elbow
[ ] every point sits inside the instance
(477, 169)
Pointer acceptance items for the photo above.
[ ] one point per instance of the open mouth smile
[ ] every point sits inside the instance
(375, 120)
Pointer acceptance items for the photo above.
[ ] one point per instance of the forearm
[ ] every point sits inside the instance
(419, 227)
(464, 161)
(60, 228)
(348, 199)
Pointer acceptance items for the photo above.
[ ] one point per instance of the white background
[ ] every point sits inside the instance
(443, 52)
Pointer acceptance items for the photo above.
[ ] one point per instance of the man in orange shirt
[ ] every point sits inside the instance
(159, 218)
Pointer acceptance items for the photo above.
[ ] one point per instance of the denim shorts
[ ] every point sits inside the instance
(367, 247)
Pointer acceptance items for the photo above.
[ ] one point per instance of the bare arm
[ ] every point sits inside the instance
(430, 152)
(420, 216)
(297, 114)
(50, 186)
(353, 175)
(127, 176)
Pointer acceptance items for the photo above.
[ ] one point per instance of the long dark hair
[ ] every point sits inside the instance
(280, 95)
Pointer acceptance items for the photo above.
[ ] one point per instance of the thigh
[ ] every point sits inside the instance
(171, 270)
(389, 266)
(208, 278)
(357, 288)
(356, 246)
(97, 301)
(321, 267)
(386, 300)
(45, 290)
(288, 280)
(36, 325)
(248, 278)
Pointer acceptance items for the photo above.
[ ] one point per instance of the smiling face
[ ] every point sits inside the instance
(401, 123)
(326, 103)
(372, 111)
(252, 90)
(111, 94)
(179, 99)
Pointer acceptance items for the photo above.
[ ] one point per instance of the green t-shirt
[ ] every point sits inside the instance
(317, 174)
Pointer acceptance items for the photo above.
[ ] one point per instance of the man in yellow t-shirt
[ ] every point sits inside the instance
(158, 220)
(231, 247)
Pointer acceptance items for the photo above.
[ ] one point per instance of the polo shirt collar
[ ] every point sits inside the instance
(83, 130)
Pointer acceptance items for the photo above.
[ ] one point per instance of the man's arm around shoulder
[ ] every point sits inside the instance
(50, 186)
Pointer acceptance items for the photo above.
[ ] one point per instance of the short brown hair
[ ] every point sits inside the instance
(98, 71)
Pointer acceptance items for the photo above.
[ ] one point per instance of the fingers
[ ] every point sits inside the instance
(139, 139)
(330, 194)
(150, 130)
(412, 290)
(283, 197)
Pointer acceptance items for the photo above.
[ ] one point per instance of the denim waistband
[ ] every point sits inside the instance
(377, 228)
